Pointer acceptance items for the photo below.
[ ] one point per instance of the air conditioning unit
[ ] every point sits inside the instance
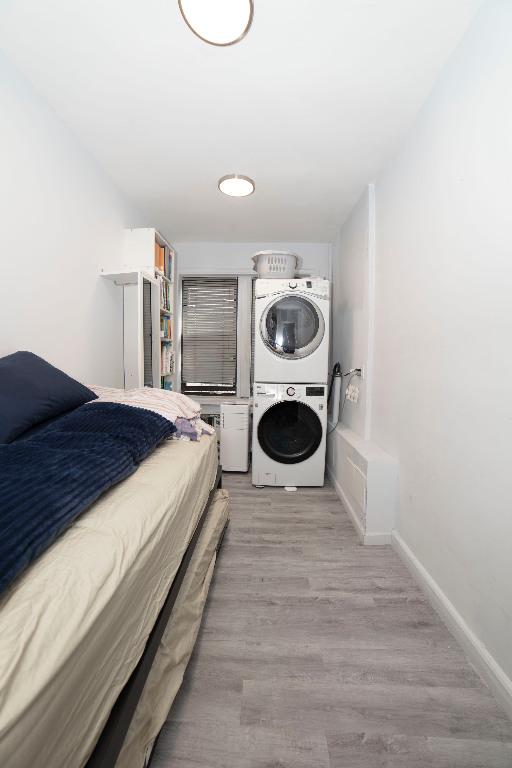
(234, 437)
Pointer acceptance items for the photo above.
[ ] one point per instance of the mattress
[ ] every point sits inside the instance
(74, 626)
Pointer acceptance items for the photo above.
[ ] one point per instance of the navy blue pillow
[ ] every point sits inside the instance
(33, 391)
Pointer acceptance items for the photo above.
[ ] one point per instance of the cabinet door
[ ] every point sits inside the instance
(132, 335)
(141, 334)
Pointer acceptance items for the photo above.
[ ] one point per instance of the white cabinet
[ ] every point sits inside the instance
(366, 480)
(234, 437)
(141, 327)
(148, 280)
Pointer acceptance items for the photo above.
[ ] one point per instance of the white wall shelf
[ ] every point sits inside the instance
(122, 278)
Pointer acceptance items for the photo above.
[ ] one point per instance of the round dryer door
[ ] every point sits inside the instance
(292, 327)
(289, 432)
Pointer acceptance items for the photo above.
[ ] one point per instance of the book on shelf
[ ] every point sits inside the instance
(165, 295)
(166, 261)
(168, 256)
(163, 260)
(166, 360)
(159, 257)
(165, 327)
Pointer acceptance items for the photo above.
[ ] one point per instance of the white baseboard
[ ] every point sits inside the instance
(485, 664)
(377, 539)
(364, 538)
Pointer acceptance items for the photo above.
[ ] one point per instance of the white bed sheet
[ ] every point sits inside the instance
(74, 626)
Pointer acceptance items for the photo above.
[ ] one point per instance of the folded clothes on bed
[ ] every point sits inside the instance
(49, 479)
(187, 428)
(177, 408)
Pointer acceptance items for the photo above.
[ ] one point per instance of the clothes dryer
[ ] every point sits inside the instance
(291, 330)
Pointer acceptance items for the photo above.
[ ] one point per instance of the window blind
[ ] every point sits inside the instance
(208, 341)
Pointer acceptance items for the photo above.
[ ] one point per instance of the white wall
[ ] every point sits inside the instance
(442, 388)
(61, 218)
(235, 258)
(443, 363)
(352, 307)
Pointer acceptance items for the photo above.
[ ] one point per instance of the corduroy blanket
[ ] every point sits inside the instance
(48, 480)
(181, 410)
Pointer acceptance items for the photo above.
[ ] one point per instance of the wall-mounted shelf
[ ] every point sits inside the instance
(122, 278)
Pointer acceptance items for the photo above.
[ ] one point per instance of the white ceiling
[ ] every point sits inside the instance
(311, 104)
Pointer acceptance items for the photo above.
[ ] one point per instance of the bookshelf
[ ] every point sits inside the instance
(148, 279)
(165, 271)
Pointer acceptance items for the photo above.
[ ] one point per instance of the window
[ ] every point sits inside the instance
(209, 335)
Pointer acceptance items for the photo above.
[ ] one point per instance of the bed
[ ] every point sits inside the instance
(94, 639)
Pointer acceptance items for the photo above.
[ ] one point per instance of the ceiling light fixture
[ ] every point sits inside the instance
(235, 185)
(218, 22)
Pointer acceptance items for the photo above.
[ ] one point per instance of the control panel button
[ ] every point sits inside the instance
(290, 391)
(292, 284)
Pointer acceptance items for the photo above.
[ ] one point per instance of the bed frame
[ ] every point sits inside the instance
(111, 740)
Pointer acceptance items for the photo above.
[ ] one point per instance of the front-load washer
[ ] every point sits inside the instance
(291, 330)
(289, 434)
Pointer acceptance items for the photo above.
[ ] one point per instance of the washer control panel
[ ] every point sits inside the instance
(316, 286)
(290, 391)
(315, 391)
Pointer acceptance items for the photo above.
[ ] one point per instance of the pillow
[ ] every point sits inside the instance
(32, 391)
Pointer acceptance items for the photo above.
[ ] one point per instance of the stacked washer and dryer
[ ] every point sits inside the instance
(291, 349)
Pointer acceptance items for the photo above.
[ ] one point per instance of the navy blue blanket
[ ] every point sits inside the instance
(48, 480)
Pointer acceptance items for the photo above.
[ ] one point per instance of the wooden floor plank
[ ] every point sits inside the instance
(315, 652)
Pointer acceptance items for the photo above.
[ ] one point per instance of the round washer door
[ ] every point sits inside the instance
(292, 327)
(289, 432)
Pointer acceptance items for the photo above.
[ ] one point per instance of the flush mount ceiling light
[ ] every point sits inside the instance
(218, 22)
(235, 185)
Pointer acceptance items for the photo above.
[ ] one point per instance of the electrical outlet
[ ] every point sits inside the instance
(352, 393)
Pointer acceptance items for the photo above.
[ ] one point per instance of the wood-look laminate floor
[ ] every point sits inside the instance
(316, 652)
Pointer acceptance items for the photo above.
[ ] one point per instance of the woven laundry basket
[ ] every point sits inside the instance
(281, 264)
